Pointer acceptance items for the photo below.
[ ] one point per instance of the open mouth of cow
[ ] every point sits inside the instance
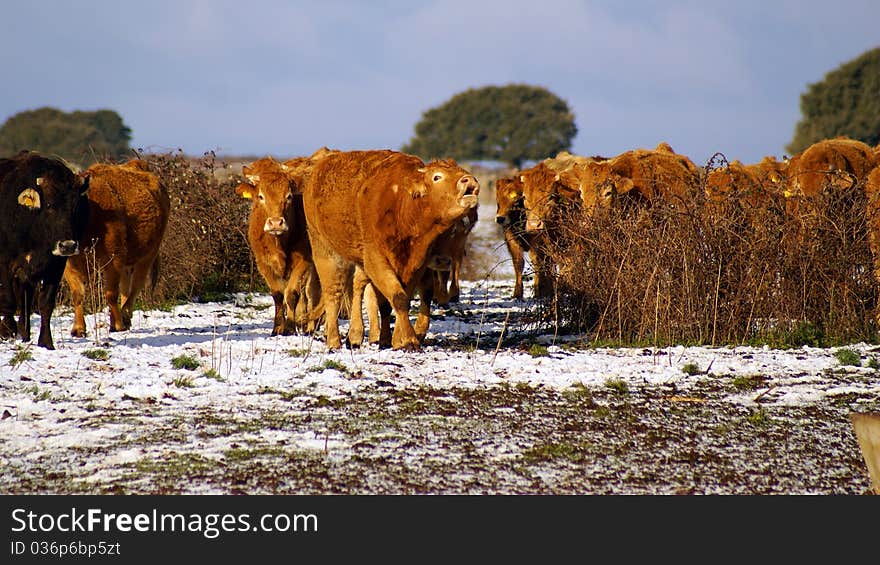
(468, 195)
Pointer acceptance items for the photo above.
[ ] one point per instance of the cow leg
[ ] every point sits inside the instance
(426, 295)
(379, 313)
(309, 299)
(386, 282)
(278, 320)
(332, 274)
(112, 281)
(46, 304)
(543, 275)
(136, 283)
(371, 305)
(24, 293)
(7, 311)
(519, 262)
(439, 281)
(454, 289)
(356, 317)
(74, 276)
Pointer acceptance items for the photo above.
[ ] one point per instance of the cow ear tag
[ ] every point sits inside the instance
(29, 198)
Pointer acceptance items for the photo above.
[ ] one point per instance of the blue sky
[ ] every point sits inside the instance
(284, 78)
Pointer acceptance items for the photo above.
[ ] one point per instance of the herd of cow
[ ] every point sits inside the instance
(530, 201)
(329, 232)
(339, 231)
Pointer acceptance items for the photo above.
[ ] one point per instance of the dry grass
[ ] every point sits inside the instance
(691, 272)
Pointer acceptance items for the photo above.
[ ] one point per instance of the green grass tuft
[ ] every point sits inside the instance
(185, 362)
(22, 354)
(691, 369)
(848, 357)
(617, 385)
(537, 350)
(96, 354)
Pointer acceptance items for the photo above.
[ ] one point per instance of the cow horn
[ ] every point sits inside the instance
(253, 178)
(29, 198)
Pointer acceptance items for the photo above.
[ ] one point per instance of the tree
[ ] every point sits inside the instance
(80, 137)
(511, 124)
(846, 102)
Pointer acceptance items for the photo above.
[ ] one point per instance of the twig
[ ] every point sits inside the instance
(500, 337)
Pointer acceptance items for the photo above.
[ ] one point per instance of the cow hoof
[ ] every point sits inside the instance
(78, 333)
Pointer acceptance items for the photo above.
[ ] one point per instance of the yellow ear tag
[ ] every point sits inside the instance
(512, 194)
(29, 198)
(247, 194)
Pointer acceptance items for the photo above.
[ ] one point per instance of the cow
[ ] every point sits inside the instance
(839, 164)
(754, 185)
(511, 216)
(436, 284)
(46, 211)
(446, 258)
(279, 242)
(380, 211)
(827, 167)
(128, 214)
(639, 175)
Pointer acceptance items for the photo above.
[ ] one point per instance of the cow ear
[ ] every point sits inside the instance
(83, 183)
(29, 198)
(626, 184)
(245, 190)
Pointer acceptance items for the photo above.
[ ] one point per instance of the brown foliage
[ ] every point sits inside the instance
(666, 272)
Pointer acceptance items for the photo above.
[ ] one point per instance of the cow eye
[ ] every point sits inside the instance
(262, 198)
(438, 177)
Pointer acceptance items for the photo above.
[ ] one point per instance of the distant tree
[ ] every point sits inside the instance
(846, 102)
(80, 137)
(510, 124)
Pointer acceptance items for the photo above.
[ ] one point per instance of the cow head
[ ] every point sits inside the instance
(269, 188)
(509, 198)
(56, 201)
(454, 190)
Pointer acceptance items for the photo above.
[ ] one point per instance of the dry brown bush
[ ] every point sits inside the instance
(204, 252)
(688, 271)
(205, 249)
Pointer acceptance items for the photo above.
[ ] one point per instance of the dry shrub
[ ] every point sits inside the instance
(205, 250)
(689, 271)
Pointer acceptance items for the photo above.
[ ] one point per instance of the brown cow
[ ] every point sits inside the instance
(128, 214)
(380, 210)
(278, 239)
(511, 216)
(446, 257)
(444, 260)
(641, 175)
(838, 165)
(752, 184)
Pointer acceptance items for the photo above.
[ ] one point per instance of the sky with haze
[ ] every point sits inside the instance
(285, 78)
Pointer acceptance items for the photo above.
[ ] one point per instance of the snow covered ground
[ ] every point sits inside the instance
(119, 413)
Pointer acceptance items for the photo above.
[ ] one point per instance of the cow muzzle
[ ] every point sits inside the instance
(65, 248)
(468, 191)
(440, 263)
(534, 224)
(275, 225)
(503, 221)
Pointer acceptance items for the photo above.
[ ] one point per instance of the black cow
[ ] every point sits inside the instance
(45, 213)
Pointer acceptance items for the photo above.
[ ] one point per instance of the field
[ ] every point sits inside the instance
(200, 399)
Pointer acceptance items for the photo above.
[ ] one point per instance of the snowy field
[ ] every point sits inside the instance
(111, 413)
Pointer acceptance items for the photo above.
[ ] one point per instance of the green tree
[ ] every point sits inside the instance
(80, 137)
(846, 102)
(511, 124)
